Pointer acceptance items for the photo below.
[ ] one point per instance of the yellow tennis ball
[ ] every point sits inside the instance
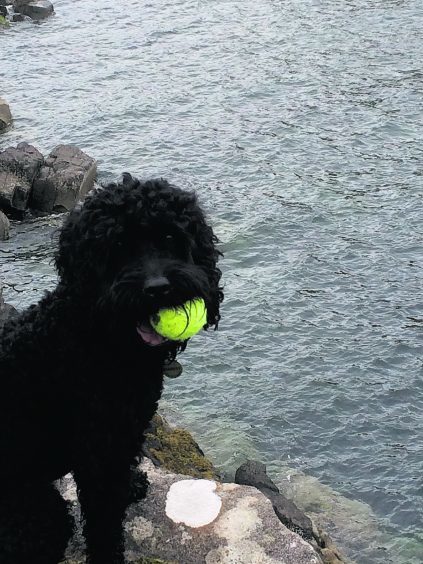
(182, 322)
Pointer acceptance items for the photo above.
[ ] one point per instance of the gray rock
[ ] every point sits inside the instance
(241, 527)
(18, 168)
(6, 310)
(14, 192)
(3, 11)
(67, 175)
(24, 160)
(253, 473)
(4, 227)
(36, 10)
(6, 2)
(17, 17)
(5, 115)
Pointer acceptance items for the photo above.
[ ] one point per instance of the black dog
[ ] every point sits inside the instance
(81, 372)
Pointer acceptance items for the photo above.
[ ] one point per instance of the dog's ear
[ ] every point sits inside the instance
(89, 238)
(206, 254)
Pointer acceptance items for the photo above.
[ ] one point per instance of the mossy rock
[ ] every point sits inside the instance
(176, 450)
(4, 22)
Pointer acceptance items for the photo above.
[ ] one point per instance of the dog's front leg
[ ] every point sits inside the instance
(104, 493)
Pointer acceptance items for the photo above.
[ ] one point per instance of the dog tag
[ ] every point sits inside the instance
(172, 369)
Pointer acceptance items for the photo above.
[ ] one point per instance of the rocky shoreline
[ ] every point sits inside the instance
(175, 450)
(254, 523)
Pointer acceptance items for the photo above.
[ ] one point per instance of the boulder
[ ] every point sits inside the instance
(6, 310)
(4, 227)
(24, 160)
(195, 520)
(3, 11)
(36, 9)
(14, 192)
(17, 17)
(5, 115)
(253, 473)
(66, 177)
(18, 168)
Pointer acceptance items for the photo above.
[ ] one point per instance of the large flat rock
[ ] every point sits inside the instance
(189, 521)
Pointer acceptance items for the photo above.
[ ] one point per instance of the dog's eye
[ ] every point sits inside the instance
(169, 238)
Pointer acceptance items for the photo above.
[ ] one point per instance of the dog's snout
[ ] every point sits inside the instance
(157, 287)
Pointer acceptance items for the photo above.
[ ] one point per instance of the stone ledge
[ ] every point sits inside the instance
(245, 530)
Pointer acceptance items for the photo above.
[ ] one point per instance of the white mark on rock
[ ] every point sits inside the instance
(239, 523)
(193, 502)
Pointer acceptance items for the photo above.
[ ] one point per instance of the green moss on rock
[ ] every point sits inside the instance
(176, 450)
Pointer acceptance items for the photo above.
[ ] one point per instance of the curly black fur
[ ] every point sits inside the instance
(80, 380)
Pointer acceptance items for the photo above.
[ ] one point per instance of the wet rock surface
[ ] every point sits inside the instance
(35, 9)
(55, 184)
(18, 168)
(67, 175)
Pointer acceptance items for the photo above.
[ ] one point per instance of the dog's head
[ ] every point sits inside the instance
(136, 247)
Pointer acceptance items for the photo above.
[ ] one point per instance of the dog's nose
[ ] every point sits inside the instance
(157, 287)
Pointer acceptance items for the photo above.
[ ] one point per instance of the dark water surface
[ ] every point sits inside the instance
(299, 123)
